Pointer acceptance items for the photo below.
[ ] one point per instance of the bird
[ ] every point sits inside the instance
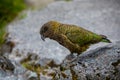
(76, 39)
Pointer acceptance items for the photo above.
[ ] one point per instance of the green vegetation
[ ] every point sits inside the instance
(2, 31)
(33, 66)
(9, 9)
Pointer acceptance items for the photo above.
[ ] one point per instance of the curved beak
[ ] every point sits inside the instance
(42, 37)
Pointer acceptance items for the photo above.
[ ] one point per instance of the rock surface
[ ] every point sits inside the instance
(101, 61)
(37, 3)
(99, 64)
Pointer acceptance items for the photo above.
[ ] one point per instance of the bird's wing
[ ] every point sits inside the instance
(81, 36)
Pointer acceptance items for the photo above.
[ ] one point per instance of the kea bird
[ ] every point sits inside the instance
(74, 38)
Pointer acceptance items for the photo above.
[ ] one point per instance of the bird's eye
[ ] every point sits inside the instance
(45, 28)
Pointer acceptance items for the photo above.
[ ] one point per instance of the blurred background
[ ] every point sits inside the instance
(10, 9)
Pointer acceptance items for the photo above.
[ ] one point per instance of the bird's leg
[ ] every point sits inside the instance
(71, 57)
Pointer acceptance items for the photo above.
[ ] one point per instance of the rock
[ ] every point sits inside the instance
(99, 64)
(6, 48)
(100, 61)
(5, 64)
(37, 3)
(6, 67)
(33, 78)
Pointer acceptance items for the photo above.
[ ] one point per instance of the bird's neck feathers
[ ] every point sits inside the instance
(54, 26)
(54, 23)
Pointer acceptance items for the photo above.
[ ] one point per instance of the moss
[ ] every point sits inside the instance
(52, 74)
(52, 64)
(22, 16)
(33, 66)
(74, 75)
(64, 75)
(9, 9)
(2, 33)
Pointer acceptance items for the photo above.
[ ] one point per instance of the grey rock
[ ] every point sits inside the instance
(99, 64)
(37, 3)
(6, 64)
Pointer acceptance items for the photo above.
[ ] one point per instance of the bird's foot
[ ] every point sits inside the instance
(70, 58)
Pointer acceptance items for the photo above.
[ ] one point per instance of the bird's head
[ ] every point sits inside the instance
(48, 29)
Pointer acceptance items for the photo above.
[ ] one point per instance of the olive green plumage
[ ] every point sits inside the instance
(75, 38)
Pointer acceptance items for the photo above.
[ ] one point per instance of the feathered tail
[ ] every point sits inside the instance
(105, 39)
